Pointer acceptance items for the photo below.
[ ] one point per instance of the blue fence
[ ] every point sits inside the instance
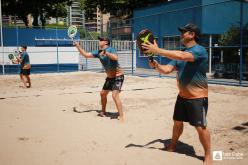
(14, 36)
(42, 68)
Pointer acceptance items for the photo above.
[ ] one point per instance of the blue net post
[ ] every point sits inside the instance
(133, 40)
(241, 44)
(57, 49)
(160, 41)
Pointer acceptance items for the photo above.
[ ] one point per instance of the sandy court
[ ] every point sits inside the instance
(40, 127)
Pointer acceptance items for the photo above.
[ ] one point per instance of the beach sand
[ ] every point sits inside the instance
(56, 122)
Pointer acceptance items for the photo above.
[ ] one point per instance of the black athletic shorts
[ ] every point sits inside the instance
(193, 111)
(25, 71)
(113, 83)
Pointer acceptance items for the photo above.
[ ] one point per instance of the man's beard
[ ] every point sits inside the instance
(186, 40)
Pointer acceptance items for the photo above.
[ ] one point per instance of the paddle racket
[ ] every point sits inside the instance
(143, 37)
(12, 56)
(72, 31)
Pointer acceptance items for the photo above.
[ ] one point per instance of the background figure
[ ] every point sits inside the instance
(23, 59)
(115, 76)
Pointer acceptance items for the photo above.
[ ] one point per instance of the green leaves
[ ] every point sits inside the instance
(57, 8)
(118, 7)
(232, 36)
(38, 8)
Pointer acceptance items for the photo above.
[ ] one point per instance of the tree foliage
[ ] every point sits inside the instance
(38, 8)
(232, 36)
(117, 7)
(57, 8)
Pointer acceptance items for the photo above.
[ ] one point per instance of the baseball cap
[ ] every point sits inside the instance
(24, 46)
(190, 27)
(104, 39)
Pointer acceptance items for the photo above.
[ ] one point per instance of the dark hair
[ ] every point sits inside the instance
(24, 46)
(104, 39)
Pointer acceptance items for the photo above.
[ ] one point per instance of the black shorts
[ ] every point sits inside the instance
(193, 111)
(25, 71)
(113, 83)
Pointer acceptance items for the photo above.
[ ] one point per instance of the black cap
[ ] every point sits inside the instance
(190, 27)
(24, 46)
(104, 39)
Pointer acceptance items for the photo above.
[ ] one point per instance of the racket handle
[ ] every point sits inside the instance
(151, 58)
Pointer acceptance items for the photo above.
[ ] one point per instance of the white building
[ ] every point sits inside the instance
(99, 22)
(76, 14)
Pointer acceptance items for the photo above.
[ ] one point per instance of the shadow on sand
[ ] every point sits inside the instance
(182, 148)
(111, 115)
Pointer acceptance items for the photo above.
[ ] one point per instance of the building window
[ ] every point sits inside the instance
(172, 43)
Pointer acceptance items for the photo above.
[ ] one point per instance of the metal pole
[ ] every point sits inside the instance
(57, 44)
(101, 26)
(110, 31)
(160, 40)
(210, 54)
(2, 48)
(241, 44)
(17, 38)
(17, 43)
(132, 29)
(70, 16)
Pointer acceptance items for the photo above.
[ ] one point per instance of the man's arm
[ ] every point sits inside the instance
(171, 54)
(176, 54)
(82, 51)
(17, 60)
(163, 69)
(112, 56)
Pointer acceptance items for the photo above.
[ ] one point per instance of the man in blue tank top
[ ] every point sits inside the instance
(115, 76)
(192, 100)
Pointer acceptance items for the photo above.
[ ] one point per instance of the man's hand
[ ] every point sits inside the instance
(103, 53)
(76, 44)
(150, 48)
(18, 58)
(153, 64)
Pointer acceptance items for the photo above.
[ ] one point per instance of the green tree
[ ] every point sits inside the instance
(56, 10)
(117, 7)
(38, 8)
(232, 38)
(14, 8)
